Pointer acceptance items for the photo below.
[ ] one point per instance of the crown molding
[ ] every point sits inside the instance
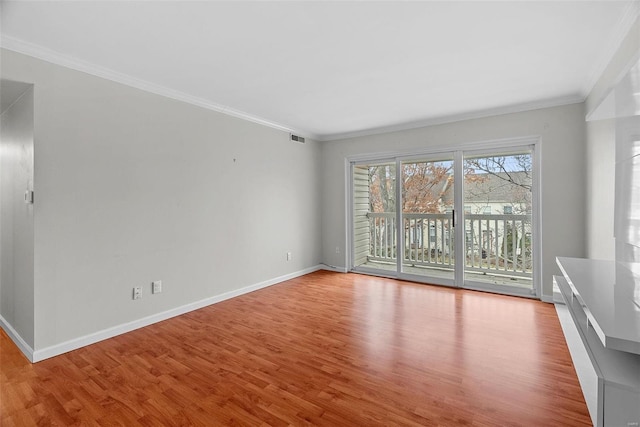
(48, 55)
(621, 29)
(54, 57)
(516, 108)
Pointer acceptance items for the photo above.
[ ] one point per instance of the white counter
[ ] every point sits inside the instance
(610, 307)
(602, 336)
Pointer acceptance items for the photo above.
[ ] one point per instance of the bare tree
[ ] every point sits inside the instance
(504, 168)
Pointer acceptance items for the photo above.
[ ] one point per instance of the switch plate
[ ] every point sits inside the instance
(137, 292)
(289, 256)
(156, 286)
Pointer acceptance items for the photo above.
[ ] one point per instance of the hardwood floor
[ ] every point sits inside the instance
(323, 349)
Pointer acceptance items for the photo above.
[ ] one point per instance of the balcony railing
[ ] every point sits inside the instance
(494, 244)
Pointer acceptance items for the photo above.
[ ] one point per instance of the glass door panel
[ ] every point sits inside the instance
(374, 216)
(427, 206)
(497, 211)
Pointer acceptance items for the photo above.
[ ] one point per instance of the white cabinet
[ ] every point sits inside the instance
(603, 335)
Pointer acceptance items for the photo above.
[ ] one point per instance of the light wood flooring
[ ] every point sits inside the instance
(323, 349)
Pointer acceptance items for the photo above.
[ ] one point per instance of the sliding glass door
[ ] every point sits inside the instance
(463, 218)
(427, 198)
(403, 218)
(498, 207)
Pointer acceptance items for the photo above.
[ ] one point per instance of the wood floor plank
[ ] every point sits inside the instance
(323, 349)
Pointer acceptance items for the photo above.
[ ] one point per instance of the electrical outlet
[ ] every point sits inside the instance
(137, 292)
(156, 286)
(289, 256)
(337, 249)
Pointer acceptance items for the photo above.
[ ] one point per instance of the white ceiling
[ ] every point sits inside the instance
(330, 69)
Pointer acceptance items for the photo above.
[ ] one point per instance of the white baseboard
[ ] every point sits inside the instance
(16, 338)
(104, 334)
(547, 298)
(334, 268)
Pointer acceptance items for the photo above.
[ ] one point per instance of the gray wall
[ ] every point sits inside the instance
(16, 217)
(133, 187)
(562, 192)
(601, 140)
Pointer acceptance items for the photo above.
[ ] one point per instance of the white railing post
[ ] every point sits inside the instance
(432, 233)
